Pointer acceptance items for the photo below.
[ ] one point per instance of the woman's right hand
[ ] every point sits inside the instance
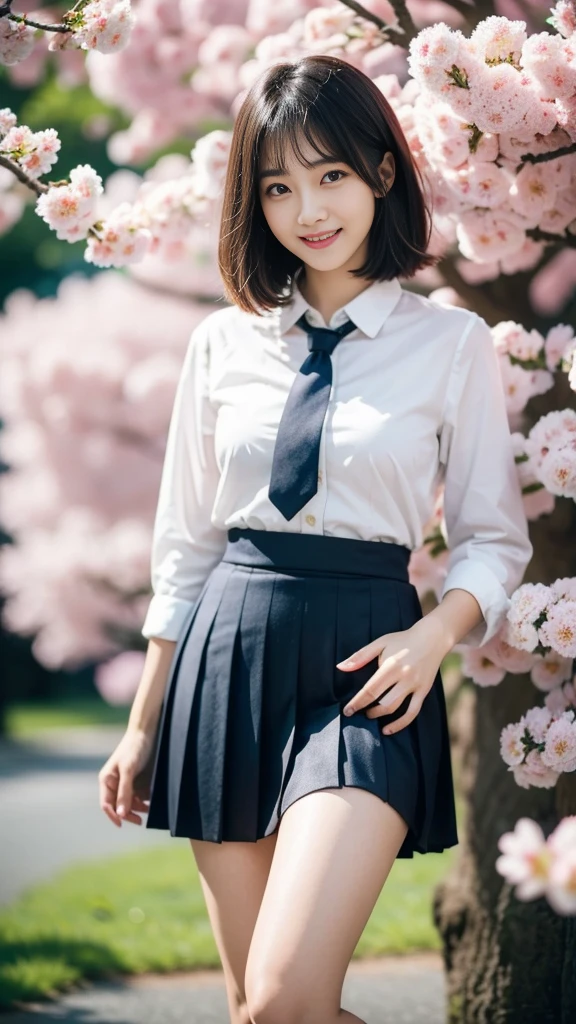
(118, 798)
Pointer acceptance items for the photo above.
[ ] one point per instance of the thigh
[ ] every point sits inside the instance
(334, 852)
(233, 878)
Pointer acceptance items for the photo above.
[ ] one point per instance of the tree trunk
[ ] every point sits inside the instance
(508, 961)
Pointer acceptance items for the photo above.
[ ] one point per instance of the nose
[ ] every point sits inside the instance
(311, 211)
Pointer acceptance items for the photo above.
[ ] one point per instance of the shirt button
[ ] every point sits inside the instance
(311, 520)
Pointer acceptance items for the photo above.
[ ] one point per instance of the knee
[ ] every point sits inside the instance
(275, 1003)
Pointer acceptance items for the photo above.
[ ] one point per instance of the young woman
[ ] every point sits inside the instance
(291, 680)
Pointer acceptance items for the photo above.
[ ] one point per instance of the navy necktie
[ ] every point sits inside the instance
(294, 476)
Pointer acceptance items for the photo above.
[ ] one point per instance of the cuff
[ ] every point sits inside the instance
(166, 617)
(484, 585)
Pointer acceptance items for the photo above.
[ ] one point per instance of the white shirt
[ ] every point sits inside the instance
(416, 399)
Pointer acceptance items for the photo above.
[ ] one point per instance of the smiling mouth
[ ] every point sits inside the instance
(320, 238)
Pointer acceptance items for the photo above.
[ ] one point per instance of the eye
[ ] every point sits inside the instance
(269, 191)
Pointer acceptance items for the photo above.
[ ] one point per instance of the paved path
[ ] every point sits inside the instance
(49, 802)
(395, 990)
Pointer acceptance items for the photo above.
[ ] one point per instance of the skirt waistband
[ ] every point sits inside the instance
(279, 550)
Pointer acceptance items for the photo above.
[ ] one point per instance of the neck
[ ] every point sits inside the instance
(329, 290)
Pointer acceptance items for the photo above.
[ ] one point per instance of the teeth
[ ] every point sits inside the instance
(319, 238)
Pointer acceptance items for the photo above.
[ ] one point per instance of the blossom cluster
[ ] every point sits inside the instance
(543, 618)
(528, 360)
(537, 866)
(541, 746)
(34, 152)
(551, 450)
(104, 25)
(485, 104)
(488, 664)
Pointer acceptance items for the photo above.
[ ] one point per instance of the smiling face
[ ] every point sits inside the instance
(300, 201)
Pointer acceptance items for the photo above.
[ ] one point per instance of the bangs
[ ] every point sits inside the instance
(293, 122)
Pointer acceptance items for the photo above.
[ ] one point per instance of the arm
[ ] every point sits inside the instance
(487, 538)
(185, 547)
(486, 525)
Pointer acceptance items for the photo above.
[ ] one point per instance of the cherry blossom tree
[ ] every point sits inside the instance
(486, 95)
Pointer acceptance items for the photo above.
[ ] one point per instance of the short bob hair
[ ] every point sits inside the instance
(345, 117)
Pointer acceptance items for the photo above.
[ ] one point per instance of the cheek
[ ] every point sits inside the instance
(359, 208)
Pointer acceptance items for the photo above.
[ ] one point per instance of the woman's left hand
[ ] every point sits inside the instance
(408, 663)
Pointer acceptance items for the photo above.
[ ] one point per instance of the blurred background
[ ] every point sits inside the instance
(89, 359)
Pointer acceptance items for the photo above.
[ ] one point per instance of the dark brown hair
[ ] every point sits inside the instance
(345, 117)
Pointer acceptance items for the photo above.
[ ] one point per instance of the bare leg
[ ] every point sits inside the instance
(233, 878)
(334, 852)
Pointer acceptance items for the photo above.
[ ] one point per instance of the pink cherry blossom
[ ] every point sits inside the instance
(117, 680)
(534, 773)
(558, 470)
(558, 340)
(559, 630)
(525, 859)
(104, 25)
(561, 697)
(121, 240)
(70, 210)
(511, 746)
(481, 668)
(560, 747)
(16, 41)
(499, 38)
(537, 720)
(550, 671)
(485, 235)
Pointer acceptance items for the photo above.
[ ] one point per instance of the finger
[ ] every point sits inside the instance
(382, 679)
(409, 716)
(139, 803)
(110, 811)
(362, 656)
(108, 786)
(125, 793)
(367, 695)
(390, 703)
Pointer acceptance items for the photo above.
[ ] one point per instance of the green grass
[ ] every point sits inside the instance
(24, 720)
(145, 911)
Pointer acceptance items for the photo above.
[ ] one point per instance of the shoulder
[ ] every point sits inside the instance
(225, 326)
(462, 331)
(454, 321)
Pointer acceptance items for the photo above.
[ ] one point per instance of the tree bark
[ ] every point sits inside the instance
(509, 961)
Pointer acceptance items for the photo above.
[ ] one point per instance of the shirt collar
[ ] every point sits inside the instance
(368, 310)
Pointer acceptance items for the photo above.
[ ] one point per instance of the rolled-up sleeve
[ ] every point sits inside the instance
(185, 545)
(486, 526)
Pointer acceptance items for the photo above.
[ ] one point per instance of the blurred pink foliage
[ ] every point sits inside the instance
(88, 381)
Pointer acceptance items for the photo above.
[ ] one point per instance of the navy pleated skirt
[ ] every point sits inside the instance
(252, 714)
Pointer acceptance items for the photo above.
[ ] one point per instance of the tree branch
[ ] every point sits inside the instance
(36, 186)
(549, 236)
(541, 158)
(403, 38)
(23, 20)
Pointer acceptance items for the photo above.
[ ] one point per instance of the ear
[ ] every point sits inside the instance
(387, 171)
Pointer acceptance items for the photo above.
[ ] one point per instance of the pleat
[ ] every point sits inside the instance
(428, 735)
(209, 741)
(158, 809)
(243, 756)
(279, 707)
(362, 760)
(183, 783)
(316, 748)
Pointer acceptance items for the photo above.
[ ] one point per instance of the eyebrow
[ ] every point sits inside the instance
(275, 171)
